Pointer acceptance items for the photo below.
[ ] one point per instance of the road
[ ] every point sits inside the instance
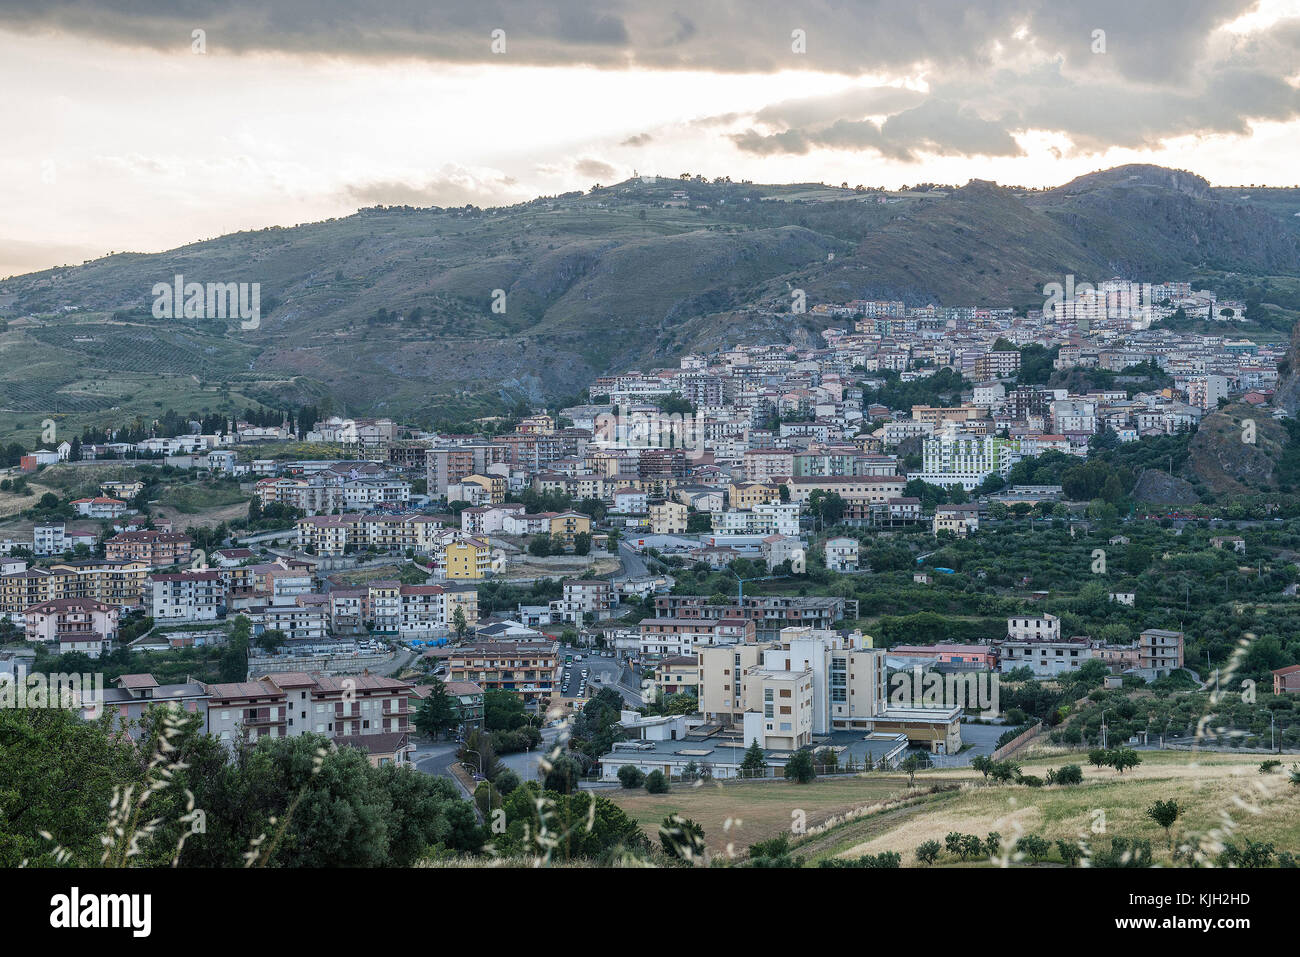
(634, 565)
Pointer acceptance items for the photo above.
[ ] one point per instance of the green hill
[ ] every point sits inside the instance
(390, 310)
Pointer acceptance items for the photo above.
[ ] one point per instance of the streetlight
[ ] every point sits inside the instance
(1103, 727)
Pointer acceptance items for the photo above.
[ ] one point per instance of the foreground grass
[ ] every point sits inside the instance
(738, 813)
(1222, 797)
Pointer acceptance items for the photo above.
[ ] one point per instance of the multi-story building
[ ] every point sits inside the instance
(667, 517)
(1048, 657)
(73, 624)
(186, 596)
(527, 669)
(155, 549)
(1042, 628)
(1160, 651)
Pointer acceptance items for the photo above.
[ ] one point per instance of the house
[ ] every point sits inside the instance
(99, 507)
(1287, 680)
(386, 747)
(960, 520)
(75, 624)
(842, 554)
(1235, 542)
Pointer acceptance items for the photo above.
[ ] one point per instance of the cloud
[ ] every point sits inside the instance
(854, 38)
(638, 139)
(595, 169)
(454, 186)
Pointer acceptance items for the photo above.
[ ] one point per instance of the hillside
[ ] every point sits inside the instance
(390, 310)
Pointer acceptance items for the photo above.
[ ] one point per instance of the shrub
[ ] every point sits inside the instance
(928, 852)
(630, 776)
(656, 783)
(1033, 847)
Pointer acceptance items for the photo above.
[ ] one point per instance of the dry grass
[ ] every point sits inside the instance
(1223, 796)
(758, 810)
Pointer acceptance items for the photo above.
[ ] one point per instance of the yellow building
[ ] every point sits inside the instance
(493, 486)
(568, 524)
(468, 559)
(667, 518)
(677, 675)
(749, 494)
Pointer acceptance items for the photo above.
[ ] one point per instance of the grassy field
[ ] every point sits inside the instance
(759, 810)
(1222, 795)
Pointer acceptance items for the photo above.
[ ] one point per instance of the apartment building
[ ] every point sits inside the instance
(768, 519)
(679, 674)
(1047, 658)
(1160, 651)
(73, 624)
(186, 596)
(587, 597)
(528, 669)
(294, 703)
(842, 554)
(155, 549)
(960, 520)
(667, 517)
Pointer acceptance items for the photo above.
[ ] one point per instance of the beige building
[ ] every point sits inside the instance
(667, 518)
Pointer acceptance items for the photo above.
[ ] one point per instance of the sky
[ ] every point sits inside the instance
(130, 125)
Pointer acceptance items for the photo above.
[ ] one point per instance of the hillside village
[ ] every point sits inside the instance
(760, 463)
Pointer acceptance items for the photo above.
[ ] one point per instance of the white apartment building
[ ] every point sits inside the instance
(954, 458)
(186, 596)
(779, 518)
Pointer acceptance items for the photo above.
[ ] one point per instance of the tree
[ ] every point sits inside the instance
(631, 777)
(1098, 758)
(1123, 758)
(754, 763)
(800, 767)
(436, 714)
(582, 543)
(928, 852)
(1165, 813)
(459, 623)
(563, 775)
(503, 710)
(982, 763)
(1033, 846)
(911, 764)
(656, 782)
(681, 838)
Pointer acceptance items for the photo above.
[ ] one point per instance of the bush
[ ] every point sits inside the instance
(885, 859)
(656, 783)
(1071, 853)
(928, 852)
(1070, 774)
(630, 776)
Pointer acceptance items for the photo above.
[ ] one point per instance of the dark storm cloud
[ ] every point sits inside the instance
(1105, 73)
